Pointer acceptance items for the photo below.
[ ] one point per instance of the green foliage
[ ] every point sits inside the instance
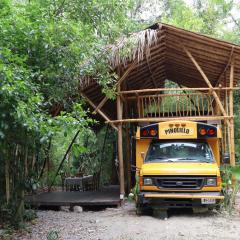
(43, 47)
(135, 191)
(230, 178)
(52, 235)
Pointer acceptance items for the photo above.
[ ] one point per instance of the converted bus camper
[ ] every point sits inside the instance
(178, 165)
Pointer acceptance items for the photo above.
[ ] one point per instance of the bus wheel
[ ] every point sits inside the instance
(160, 213)
(139, 211)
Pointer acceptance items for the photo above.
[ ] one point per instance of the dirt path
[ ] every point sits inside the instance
(123, 224)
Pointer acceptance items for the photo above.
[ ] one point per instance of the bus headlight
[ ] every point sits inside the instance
(211, 182)
(147, 181)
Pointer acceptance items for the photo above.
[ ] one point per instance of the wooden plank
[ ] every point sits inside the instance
(107, 197)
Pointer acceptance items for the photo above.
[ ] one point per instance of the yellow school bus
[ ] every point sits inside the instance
(178, 165)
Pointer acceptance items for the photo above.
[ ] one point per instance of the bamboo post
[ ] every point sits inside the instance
(225, 122)
(127, 144)
(232, 146)
(120, 147)
(128, 158)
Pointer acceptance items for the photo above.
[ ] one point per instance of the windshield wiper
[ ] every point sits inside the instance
(206, 161)
(194, 159)
(155, 159)
(186, 158)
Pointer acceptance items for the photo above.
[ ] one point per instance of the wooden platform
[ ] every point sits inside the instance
(105, 197)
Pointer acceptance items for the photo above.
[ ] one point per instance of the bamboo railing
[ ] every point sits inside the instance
(175, 105)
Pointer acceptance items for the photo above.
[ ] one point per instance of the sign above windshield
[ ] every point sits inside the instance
(177, 130)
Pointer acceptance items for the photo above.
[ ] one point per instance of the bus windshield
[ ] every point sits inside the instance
(179, 151)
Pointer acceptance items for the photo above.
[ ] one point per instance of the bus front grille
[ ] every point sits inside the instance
(179, 182)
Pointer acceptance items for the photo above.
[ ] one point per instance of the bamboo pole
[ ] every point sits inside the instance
(226, 67)
(7, 179)
(166, 95)
(225, 122)
(218, 101)
(99, 111)
(128, 158)
(232, 146)
(163, 119)
(177, 89)
(63, 159)
(120, 148)
(128, 142)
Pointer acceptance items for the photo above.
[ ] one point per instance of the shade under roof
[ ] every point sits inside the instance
(166, 59)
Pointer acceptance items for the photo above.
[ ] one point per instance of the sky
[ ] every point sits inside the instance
(153, 8)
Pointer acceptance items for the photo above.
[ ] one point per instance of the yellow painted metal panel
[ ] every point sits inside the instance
(214, 144)
(178, 130)
(141, 147)
(180, 168)
(138, 133)
(219, 132)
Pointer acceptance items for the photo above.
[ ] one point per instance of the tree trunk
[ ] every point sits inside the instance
(7, 178)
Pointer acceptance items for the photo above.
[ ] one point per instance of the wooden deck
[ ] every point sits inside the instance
(106, 197)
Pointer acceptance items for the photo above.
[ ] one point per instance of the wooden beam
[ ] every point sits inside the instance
(226, 67)
(122, 78)
(120, 148)
(163, 119)
(216, 97)
(231, 111)
(99, 111)
(176, 89)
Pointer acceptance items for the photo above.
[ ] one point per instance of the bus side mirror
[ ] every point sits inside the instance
(226, 158)
(143, 155)
(134, 168)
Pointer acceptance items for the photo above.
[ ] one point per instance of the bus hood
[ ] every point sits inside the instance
(180, 168)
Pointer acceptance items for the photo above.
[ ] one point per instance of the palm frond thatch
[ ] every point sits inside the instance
(127, 49)
(130, 48)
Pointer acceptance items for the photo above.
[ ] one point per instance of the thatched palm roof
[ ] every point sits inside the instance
(158, 53)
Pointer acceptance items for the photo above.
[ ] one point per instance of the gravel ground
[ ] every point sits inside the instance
(124, 224)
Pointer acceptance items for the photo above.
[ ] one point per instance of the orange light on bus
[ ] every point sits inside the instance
(202, 131)
(219, 181)
(145, 132)
(153, 132)
(140, 182)
(211, 131)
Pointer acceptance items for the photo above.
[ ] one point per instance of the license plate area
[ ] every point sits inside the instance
(208, 201)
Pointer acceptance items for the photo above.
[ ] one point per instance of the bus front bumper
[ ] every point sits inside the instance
(179, 200)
